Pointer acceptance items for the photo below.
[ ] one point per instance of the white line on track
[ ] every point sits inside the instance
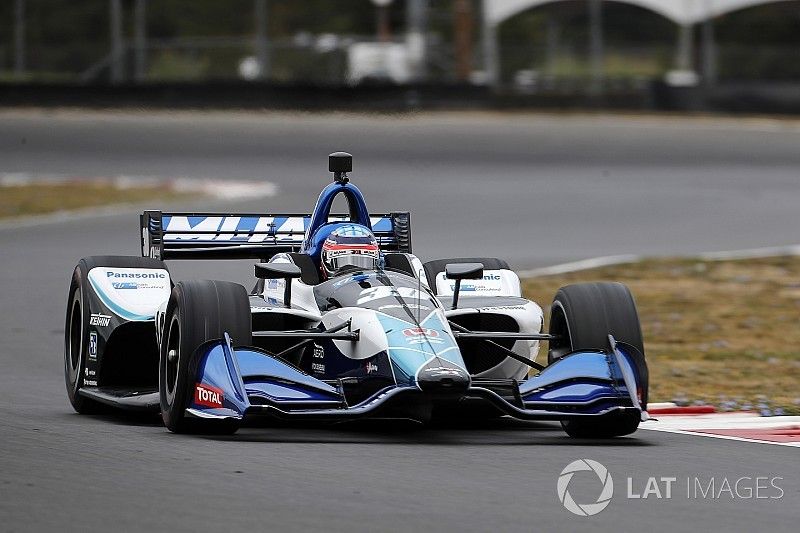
(715, 436)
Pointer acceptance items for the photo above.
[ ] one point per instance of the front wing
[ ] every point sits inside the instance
(235, 383)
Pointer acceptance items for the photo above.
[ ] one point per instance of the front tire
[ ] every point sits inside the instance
(583, 316)
(197, 312)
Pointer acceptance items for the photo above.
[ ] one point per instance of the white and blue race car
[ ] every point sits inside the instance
(344, 322)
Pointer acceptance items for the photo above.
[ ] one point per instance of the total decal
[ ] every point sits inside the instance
(134, 294)
(208, 396)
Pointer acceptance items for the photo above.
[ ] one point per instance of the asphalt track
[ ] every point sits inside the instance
(535, 189)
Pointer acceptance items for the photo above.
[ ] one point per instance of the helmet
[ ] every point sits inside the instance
(349, 245)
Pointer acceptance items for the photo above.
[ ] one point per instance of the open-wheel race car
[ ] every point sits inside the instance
(344, 322)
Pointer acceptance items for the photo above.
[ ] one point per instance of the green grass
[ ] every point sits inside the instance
(713, 330)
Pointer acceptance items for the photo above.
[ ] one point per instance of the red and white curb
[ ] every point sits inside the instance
(740, 426)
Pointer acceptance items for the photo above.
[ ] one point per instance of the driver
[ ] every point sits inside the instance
(349, 245)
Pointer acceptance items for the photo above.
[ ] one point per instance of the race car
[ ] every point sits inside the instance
(344, 322)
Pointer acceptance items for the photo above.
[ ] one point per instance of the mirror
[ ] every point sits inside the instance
(458, 271)
(277, 271)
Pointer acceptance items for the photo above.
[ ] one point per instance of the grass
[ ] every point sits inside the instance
(714, 331)
(38, 199)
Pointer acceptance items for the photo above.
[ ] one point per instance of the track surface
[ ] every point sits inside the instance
(537, 190)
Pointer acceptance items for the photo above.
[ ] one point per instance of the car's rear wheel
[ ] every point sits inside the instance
(197, 312)
(76, 342)
(77, 330)
(583, 316)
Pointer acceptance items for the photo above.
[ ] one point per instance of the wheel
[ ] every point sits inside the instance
(198, 311)
(603, 427)
(76, 327)
(432, 268)
(583, 315)
(76, 342)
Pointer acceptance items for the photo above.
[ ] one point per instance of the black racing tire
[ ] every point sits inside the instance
(432, 268)
(604, 427)
(76, 327)
(197, 312)
(583, 316)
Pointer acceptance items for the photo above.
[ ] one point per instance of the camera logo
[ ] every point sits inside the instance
(585, 509)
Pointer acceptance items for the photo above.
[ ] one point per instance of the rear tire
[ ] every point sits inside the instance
(197, 312)
(584, 315)
(76, 327)
(76, 342)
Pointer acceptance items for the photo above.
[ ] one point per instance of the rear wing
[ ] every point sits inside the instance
(249, 236)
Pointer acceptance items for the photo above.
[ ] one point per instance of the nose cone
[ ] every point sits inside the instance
(442, 376)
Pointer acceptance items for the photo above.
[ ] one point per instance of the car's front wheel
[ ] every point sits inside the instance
(582, 316)
(197, 312)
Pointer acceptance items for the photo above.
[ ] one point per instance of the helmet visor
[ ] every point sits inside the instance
(360, 261)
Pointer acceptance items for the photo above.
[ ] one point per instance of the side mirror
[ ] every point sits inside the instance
(287, 271)
(459, 271)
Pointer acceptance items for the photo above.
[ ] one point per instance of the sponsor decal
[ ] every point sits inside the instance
(272, 284)
(125, 285)
(319, 351)
(371, 367)
(90, 382)
(318, 367)
(243, 229)
(99, 320)
(89, 373)
(93, 344)
(208, 396)
(136, 275)
(421, 336)
(503, 308)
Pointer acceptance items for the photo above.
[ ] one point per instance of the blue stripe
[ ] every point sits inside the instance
(118, 310)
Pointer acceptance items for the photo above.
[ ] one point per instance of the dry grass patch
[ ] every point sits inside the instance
(38, 199)
(713, 330)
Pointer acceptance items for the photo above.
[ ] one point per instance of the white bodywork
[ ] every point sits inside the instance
(499, 283)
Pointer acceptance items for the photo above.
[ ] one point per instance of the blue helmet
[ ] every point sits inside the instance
(346, 245)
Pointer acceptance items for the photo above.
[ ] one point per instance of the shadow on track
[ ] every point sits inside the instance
(503, 431)
(493, 432)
